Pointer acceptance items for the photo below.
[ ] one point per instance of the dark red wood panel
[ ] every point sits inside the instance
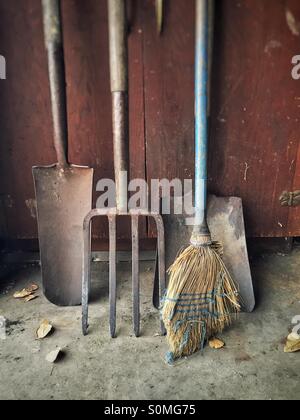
(169, 98)
(25, 126)
(89, 97)
(255, 118)
(294, 213)
(137, 98)
(88, 90)
(254, 149)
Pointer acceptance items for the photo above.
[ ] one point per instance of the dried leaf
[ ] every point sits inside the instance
(32, 288)
(44, 329)
(294, 336)
(26, 292)
(216, 344)
(292, 343)
(30, 298)
(53, 356)
(22, 294)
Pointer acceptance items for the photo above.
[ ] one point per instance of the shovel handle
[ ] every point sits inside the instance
(56, 69)
(119, 88)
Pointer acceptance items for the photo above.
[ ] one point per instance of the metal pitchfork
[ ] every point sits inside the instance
(119, 89)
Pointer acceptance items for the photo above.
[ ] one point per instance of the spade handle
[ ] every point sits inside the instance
(56, 69)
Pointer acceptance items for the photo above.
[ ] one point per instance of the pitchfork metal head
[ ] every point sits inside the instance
(112, 215)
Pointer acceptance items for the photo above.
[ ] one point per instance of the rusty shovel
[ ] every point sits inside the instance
(63, 191)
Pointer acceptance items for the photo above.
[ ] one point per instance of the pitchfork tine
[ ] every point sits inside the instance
(112, 274)
(86, 273)
(135, 275)
(161, 262)
(112, 215)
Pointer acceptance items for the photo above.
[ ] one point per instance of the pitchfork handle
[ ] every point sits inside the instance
(119, 88)
(56, 68)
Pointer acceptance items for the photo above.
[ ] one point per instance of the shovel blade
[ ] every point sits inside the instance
(64, 198)
(226, 223)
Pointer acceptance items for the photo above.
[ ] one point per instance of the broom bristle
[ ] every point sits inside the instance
(202, 299)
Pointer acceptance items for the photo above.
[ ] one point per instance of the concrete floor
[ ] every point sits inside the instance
(251, 366)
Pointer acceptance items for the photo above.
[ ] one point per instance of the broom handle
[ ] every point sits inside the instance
(56, 65)
(211, 28)
(201, 121)
(119, 89)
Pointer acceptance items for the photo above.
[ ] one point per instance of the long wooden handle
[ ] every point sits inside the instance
(118, 45)
(159, 6)
(119, 88)
(56, 68)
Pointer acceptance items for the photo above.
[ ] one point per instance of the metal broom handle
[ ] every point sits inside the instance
(119, 89)
(201, 122)
(54, 46)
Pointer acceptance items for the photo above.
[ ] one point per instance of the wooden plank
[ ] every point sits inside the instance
(169, 98)
(88, 91)
(89, 98)
(255, 104)
(137, 99)
(25, 125)
(294, 213)
(255, 121)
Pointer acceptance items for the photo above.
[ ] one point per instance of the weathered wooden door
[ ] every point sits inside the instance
(254, 150)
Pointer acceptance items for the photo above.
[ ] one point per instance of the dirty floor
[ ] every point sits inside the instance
(251, 366)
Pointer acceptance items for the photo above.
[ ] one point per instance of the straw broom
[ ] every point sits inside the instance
(202, 298)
